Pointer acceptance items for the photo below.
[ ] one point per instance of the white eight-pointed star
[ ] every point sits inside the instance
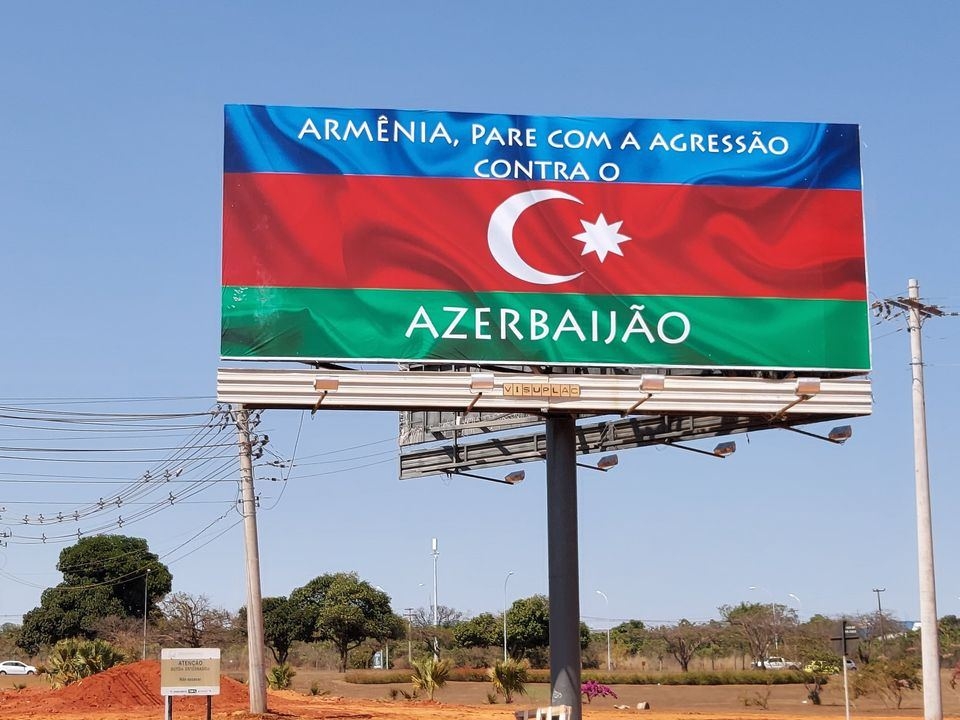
(601, 237)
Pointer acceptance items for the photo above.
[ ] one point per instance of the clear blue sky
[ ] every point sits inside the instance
(110, 189)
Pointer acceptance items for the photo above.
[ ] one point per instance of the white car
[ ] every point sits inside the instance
(15, 667)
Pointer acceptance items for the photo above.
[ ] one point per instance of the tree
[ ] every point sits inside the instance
(485, 630)
(346, 611)
(103, 576)
(755, 623)
(949, 630)
(632, 635)
(683, 640)
(284, 623)
(190, 620)
(529, 627)
(447, 617)
(888, 678)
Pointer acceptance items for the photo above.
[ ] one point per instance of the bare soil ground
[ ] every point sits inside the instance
(132, 692)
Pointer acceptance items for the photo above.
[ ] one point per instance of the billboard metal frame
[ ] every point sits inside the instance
(608, 436)
(647, 394)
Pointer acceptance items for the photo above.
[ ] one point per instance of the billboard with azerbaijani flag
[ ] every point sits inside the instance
(395, 235)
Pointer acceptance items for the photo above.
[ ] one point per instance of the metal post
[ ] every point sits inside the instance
(410, 636)
(505, 615)
(843, 662)
(146, 582)
(563, 563)
(436, 615)
(929, 640)
(602, 594)
(255, 641)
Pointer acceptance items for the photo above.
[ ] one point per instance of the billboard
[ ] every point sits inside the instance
(415, 236)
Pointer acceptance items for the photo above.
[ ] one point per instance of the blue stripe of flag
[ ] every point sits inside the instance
(279, 139)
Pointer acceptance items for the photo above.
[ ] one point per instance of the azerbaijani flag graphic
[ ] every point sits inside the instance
(387, 235)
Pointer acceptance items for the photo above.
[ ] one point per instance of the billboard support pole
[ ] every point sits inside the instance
(255, 642)
(564, 580)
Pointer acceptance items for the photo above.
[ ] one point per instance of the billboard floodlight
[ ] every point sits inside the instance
(482, 381)
(512, 478)
(720, 451)
(603, 464)
(808, 386)
(725, 448)
(607, 462)
(326, 382)
(515, 477)
(651, 383)
(840, 434)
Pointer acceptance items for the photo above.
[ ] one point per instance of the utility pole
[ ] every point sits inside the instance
(916, 312)
(880, 613)
(255, 644)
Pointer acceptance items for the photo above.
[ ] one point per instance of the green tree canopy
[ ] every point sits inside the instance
(484, 630)
(284, 623)
(528, 627)
(631, 635)
(346, 611)
(103, 576)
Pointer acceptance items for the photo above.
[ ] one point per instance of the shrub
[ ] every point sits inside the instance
(316, 691)
(74, 659)
(430, 675)
(377, 677)
(592, 689)
(280, 676)
(509, 677)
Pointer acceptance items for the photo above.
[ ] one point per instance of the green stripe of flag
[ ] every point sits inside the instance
(268, 322)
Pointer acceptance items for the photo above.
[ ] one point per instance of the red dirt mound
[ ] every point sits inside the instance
(129, 687)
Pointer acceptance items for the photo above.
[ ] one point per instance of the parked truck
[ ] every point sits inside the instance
(776, 663)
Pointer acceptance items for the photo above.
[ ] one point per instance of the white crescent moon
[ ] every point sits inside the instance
(500, 236)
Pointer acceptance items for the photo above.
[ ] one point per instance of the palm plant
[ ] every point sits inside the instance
(74, 659)
(280, 676)
(430, 674)
(509, 677)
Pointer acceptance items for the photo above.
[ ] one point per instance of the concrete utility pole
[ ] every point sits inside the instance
(917, 312)
(255, 643)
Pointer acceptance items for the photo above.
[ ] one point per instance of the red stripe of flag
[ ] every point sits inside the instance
(329, 231)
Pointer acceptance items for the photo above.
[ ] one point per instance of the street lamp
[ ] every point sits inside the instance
(799, 607)
(607, 601)
(436, 617)
(146, 580)
(409, 612)
(505, 615)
